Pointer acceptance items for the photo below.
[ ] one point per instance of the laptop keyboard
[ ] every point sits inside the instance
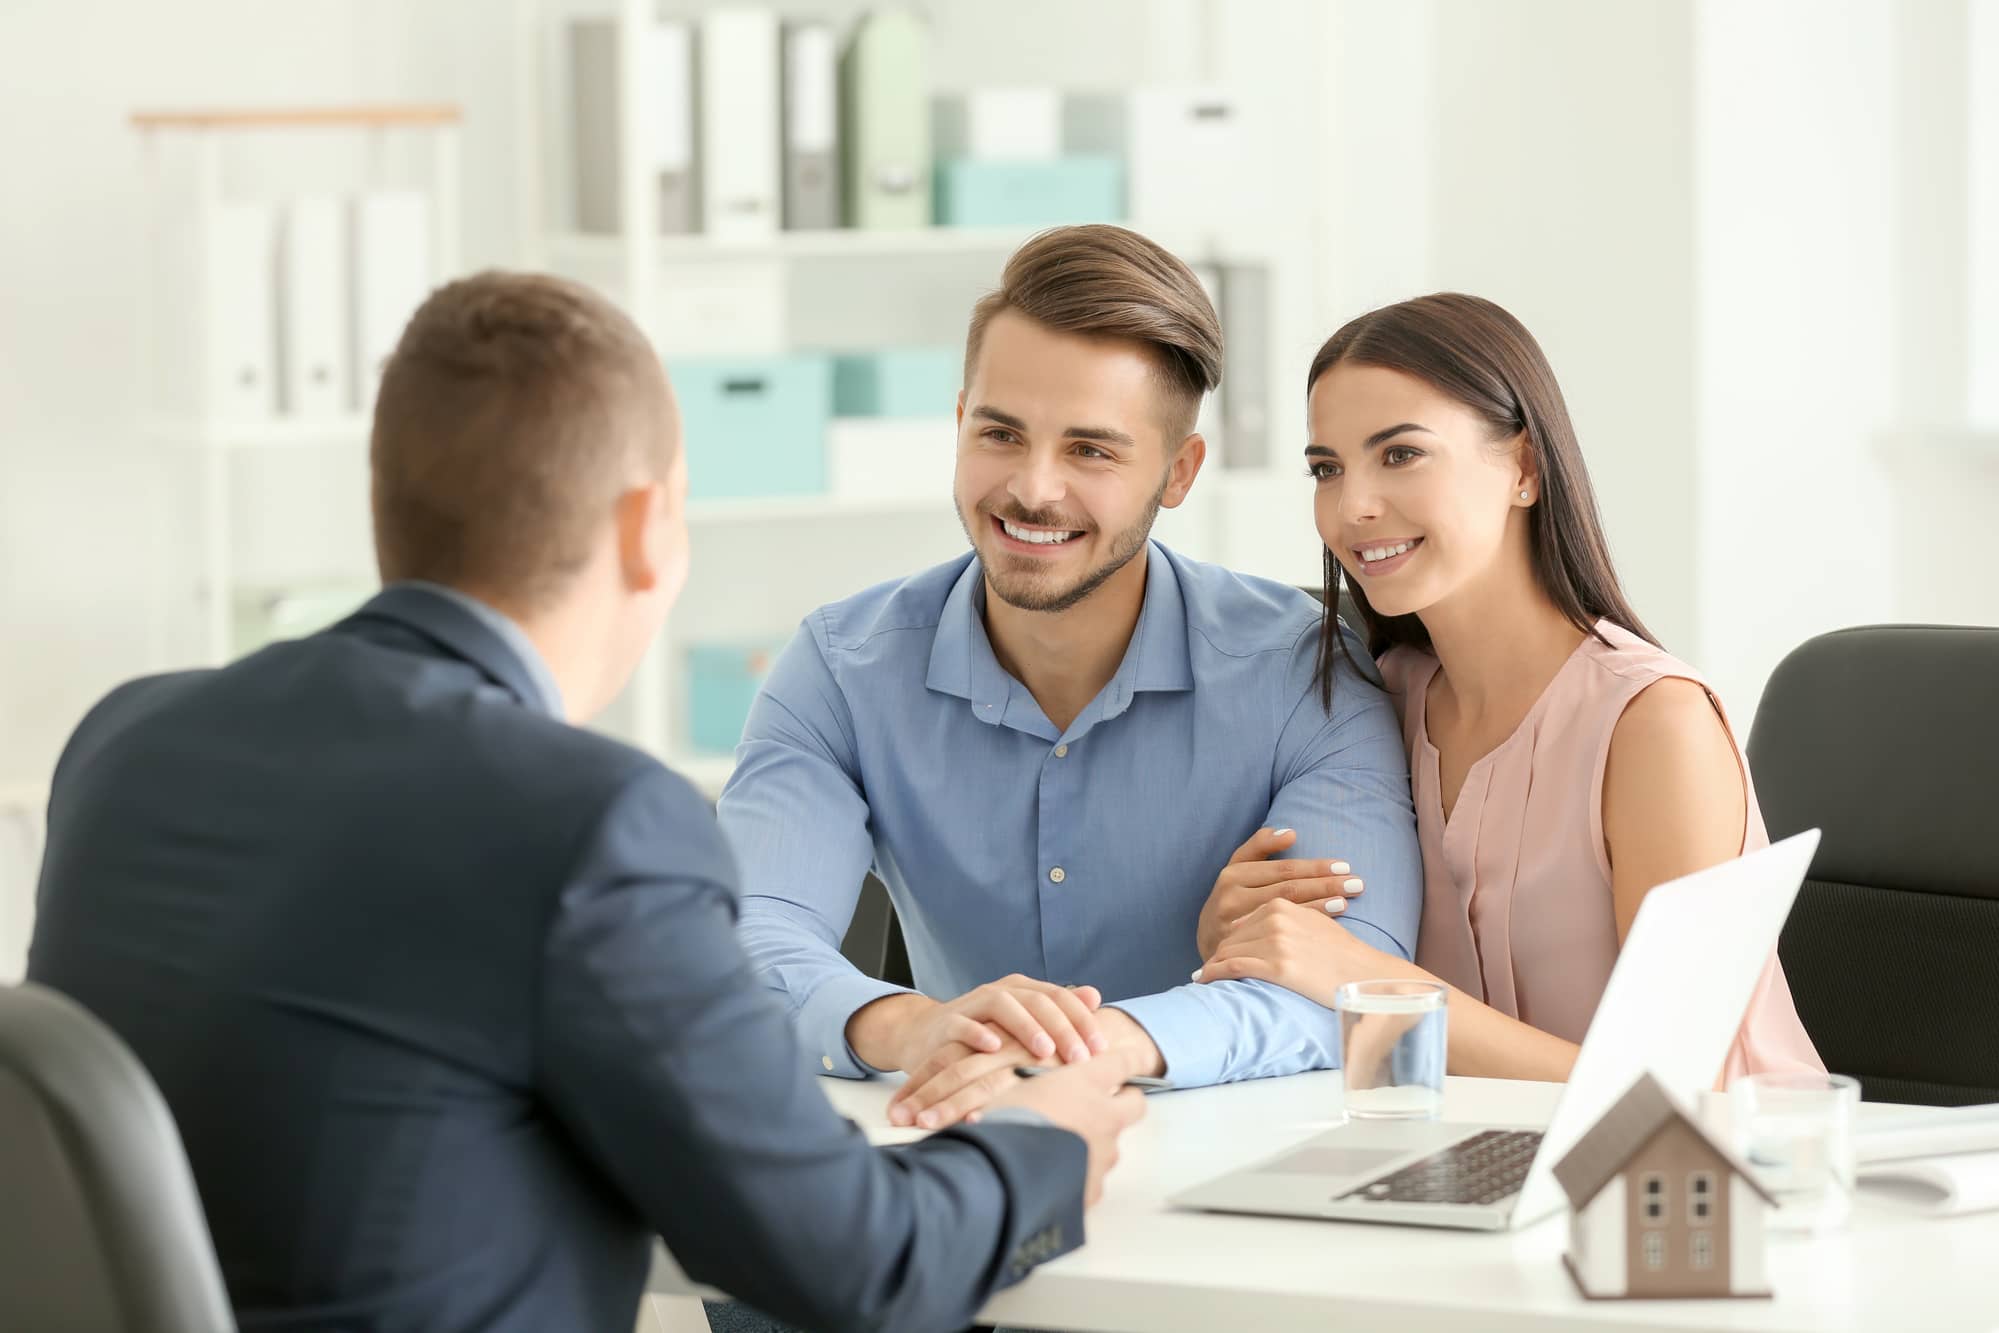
(1482, 1169)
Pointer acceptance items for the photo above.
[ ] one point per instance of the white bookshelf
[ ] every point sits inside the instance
(193, 200)
(761, 564)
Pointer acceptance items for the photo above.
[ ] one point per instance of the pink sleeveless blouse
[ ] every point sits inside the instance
(1517, 907)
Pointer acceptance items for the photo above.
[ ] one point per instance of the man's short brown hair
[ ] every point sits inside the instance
(515, 410)
(1108, 282)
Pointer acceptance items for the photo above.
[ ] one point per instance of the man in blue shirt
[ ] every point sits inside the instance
(1050, 748)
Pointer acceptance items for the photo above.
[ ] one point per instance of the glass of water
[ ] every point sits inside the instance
(1392, 1048)
(1796, 1132)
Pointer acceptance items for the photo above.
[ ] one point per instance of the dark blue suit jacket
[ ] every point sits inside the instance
(446, 999)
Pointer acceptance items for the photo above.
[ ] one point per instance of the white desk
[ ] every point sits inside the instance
(1148, 1267)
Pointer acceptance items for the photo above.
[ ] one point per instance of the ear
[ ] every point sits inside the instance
(639, 516)
(1526, 472)
(1180, 473)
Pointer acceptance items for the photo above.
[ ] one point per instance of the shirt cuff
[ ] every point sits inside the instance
(822, 1022)
(1190, 1041)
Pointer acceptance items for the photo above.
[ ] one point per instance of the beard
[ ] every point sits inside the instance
(1028, 589)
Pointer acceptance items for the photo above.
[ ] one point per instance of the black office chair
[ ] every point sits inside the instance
(1887, 738)
(100, 1225)
(874, 938)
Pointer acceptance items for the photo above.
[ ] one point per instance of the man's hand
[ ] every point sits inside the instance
(1047, 1021)
(957, 1080)
(1090, 1101)
(1250, 880)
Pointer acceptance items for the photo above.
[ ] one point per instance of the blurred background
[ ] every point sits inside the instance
(1759, 240)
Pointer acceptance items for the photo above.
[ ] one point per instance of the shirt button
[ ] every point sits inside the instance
(826, 1060)
(1057, 875)
(1061, 752)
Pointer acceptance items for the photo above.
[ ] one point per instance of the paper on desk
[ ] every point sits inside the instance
(1926, 1131)
(1938, 1186)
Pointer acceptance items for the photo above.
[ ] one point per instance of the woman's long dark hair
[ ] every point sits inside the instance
(1484, 358)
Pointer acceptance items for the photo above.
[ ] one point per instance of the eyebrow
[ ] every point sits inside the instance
(1378, 438)
(1011, 422)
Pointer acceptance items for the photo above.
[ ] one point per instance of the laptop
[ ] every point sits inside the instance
(1672, 1006)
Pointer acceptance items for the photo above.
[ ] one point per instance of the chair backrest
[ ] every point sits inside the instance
(1887, 738)
(100, 1225)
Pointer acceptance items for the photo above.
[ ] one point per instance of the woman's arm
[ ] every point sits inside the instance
(1674, 796)
(1303, 949)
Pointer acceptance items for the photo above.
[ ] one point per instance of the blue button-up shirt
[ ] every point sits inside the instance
(889, 737)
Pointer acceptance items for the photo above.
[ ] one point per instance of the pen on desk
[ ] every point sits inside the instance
(1142, 1081)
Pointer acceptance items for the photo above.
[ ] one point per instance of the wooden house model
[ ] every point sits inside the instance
(1659, 1209)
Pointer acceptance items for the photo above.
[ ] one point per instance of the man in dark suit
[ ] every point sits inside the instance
(443, 991)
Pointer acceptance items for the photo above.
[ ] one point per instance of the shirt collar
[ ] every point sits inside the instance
(962, 663)
(546, 694)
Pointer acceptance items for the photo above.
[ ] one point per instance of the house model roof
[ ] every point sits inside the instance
(1625, 1128)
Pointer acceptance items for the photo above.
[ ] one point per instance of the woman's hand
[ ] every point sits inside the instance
(1301, 948)
(1251, 879)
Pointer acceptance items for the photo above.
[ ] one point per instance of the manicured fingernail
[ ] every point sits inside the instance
(1352, 886)
(1077, 1052)
(928, 1120)
(1338, 868)
(1280, 833)
(1099, 1042)
(1196, 976)
(1043, 1046)
(1334, 906)
(898, 1114)
(971, 1117)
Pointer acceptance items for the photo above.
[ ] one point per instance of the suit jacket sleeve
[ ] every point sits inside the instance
(681, 1077)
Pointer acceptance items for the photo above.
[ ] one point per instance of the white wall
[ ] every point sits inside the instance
(1795, 146)
(1563, 171)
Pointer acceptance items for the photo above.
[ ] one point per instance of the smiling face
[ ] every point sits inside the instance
(1064, 460)
(1415, 498)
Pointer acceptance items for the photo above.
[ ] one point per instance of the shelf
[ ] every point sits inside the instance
(795, 507)
(275, 433)
(1964, 441)
(387, 115)
(855, 242)
(590, 248)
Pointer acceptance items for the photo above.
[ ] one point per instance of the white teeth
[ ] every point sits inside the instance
(1038, 538)
(1374, 553)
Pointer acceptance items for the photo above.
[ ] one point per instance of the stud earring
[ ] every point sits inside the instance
(1525, 496)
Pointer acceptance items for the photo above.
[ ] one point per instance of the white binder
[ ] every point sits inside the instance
(238, 375)
(1185, 148)
(811, 127)
(666, 99)
(391, 264)
(740, 92)
(314, 377)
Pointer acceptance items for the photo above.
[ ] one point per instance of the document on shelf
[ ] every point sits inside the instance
(1936, 1186)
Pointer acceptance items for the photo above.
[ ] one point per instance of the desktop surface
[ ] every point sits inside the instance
(1149, 1266)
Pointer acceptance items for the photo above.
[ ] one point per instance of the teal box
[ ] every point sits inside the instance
(754, 426)
(976, 193)
(898, 382)
(722, 682)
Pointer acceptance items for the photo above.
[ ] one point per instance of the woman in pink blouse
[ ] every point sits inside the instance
(1562, 763)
